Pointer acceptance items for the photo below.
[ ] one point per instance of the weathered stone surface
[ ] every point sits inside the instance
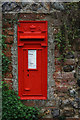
(63, 75)
(66, 102)
(78, 82)
(77, 99)
(68, 75)
(9, 6)
(8, 75)
(57, 54)
(50, 104)
(62, 89)
(45, 112)
(69, 55)
(9, 39)
(24, 4)
(25, 16)
(57, 75)
(57, 62)
(32, 6)
(70, 62)
(60, 102)
(55, 112)
(79, 103)
(57, 68)
(68, 112)
(6, 24)
(27, 103)
(68, 68)
(72, 92)
(8, 32)
(58, 6)
(9, 82)
(79, 112)
(74, 104)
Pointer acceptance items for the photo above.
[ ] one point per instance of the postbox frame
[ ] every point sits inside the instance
(20, 45)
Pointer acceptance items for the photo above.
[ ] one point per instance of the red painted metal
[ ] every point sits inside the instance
(32, 82)
(32, 37)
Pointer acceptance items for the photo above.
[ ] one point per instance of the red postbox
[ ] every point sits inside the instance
(32, 59)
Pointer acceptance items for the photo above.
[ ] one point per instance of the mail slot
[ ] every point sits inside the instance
(32, 59)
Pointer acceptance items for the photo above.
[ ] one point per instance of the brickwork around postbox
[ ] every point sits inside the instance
(62, 88)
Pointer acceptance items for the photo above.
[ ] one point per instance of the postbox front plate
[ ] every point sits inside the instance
(32, 59)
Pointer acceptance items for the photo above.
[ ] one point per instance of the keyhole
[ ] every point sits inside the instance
(27, 74)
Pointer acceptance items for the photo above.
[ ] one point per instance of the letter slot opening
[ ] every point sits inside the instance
(32, 37)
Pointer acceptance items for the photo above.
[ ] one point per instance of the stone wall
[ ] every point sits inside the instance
(63, 97)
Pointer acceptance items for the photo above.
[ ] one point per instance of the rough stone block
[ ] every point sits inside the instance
(69, 112)
(9, 16)
(9, 82)
(50, 103)
(75, 105)
(56, 53)
(61, 94)
(27, 103)
(10, 32)
(41, 16)
(57, 62)
(69, 55)
(6, 24)
(72, 92)
(8, 54)
(57, 22)
(68, 68)
(55, 112)
(57, 75)
(62, 89)
(27, 16)
(69, 62)
(57, 83)
(8, 75)
(55, 31)
(68, 82)
(63, 75)
(56, 47)
(78, 82)
(8, 47)
(7, 50)
(3, 32)
(67, 75)
(10, 67)
(9, 39)
(57, 68)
